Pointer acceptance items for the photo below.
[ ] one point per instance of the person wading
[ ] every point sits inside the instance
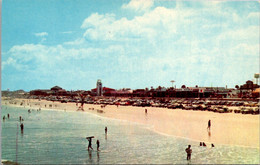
(188, 151)
(98, 145)
(89, 142)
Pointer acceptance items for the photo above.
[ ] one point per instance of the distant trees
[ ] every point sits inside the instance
(183, 86)
(237, 87)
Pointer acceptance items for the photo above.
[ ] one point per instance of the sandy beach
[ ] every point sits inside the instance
(227, 128)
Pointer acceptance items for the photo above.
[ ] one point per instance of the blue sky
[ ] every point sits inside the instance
(128, 44)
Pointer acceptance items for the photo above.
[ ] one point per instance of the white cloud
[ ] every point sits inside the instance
(78, 41)
(40, 57)
(67, 32)
(12, 61)
(9, 61)
(254, 15)
(159, 22)
(42, 34)
(249, 35)
(96, 20)
(139, 5)
(202, 46)
(182, 41)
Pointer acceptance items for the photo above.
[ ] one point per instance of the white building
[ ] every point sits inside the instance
(99, 88)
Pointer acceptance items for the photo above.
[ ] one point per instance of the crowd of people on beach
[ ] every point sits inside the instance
(20, 119)
(188, 150)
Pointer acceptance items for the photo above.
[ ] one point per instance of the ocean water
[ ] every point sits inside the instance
(59, 137)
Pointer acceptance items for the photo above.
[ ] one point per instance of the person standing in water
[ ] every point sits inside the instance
(8, 116)
(21, 127)
(89, 143)
(97, 145)
(188, 151)
(106, 130)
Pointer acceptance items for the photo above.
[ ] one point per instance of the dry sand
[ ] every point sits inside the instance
(227, 128)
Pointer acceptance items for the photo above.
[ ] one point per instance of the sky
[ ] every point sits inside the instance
(128, 43)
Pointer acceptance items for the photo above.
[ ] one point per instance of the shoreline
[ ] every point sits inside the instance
(227, 129)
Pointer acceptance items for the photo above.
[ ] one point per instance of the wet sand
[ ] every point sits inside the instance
(226, 128)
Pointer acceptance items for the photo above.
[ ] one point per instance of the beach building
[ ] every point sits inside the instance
(105, 91)
(256, 93)
(249, 85)
(56, 90)
(246, 90)
(99, 88)
(41, 92)
(125, 92)
(140, 93)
